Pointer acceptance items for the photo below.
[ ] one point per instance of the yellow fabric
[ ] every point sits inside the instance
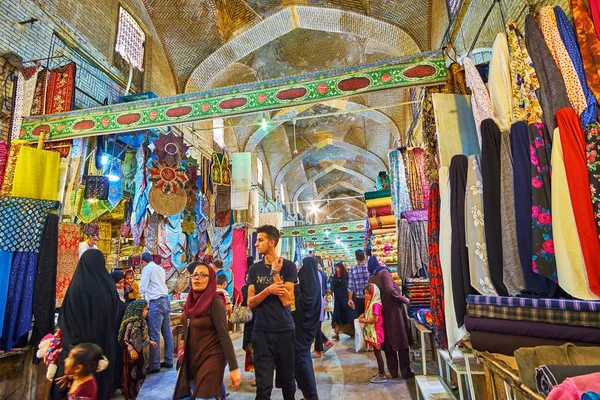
(570, 266)
(382, 222)
(383, 201)
(134, 292)
(36, 174)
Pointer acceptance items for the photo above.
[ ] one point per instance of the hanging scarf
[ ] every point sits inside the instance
(589, 43)
(434, 267)
(499, 82)
(590, 114)
(133, 316)
(480, 98)
(399, 189)
(370, 330)
(573, 146)
(549, 28)
(198, 303)
(540, 147)
(416, 189)
(490, 170)
(552, 92)
(526, 106)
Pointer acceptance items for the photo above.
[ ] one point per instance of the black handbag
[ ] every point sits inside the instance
(96, 187)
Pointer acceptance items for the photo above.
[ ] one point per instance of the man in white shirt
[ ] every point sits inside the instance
(154, 289)
(92, 231)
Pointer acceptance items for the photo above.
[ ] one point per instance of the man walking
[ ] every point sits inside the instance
(154, 289)
(358, 279)
(270, 288)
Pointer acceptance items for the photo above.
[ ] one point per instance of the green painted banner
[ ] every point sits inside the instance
(187, 108)
(325, 232)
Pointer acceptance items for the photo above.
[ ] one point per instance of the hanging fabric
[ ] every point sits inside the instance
(67, 258)
(461, 283)
(60, 96)
(4, 150)
(590, 114)
(525, 103)
(430, 136)
(552, 92)
(416, 189)
(480, 98)
(543, 259)
(499, 83)
(570, 266)
(240, 186)
(238, 248)
(549, 28)
(589, 43)
(490, 171)
(434, 267)
(592, 138)
(39, 93)
(511, 265)
(536, 285)
(573, 147)
(399, 190)
(479, 270)
(11, 164)
(23, 92)
(36, 174)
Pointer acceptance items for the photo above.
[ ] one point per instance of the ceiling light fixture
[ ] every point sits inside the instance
(313, 208)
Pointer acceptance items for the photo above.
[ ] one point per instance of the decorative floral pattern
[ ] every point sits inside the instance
(167, 178)
(480, 98)
(400, 196)
(540, 149)
(170, 149)
(592, 137)
(589, 44)
(526, 106)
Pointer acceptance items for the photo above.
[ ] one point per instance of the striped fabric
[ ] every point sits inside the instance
(549, 304)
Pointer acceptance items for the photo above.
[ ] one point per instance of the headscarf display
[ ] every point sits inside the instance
(198, 303)
(370, 330)
(133, 315)
(88, 315)
(308, 295)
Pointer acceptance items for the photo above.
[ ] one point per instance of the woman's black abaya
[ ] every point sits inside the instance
(490, 171)
(461, 280)
(342, 313)
(307, 319)
(88, 315)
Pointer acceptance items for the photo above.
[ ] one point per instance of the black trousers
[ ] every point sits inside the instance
(305, 374)
(403, 359)
(274, 351)
(359, 306)
(320, 339)
(379, 358)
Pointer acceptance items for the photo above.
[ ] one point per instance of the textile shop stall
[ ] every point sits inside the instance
(513, 267)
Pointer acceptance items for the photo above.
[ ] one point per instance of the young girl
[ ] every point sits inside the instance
(133, 337)
(328, 303)
(83, 360)
(373, 329)
(132, 288)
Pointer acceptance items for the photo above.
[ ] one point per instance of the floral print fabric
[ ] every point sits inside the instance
(592, 137)
(400, 196)
(549, 28)
(434, 267)
(480, 98)
(526, 106)
(68, 256)
(589, 44)
(540, 149)
(478, 262)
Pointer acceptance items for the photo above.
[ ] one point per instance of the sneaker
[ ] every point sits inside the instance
(327, 346)
(378, 379)
(165, 365)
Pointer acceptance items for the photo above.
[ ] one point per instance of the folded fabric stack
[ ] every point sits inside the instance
(386, 247)
(504, 324)
(417, 290)
(379, 208)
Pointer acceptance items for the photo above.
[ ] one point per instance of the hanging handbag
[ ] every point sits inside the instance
(241, 314)
(96, 187)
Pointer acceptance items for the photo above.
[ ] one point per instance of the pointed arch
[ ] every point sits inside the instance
(328, 170)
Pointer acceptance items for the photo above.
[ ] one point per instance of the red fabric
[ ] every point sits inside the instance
(86, 391)
(239, 244)
(595, 11)
(61, 89)
(381, 211)
(198, 303)
(574, 150)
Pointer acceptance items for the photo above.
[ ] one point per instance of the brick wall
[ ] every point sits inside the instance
(84, 30)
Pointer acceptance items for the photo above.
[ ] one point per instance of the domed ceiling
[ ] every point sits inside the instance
(336, 149)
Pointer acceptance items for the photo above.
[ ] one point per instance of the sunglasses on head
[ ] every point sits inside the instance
(203, 276)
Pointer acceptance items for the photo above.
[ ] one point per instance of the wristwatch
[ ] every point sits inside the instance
(274, 272)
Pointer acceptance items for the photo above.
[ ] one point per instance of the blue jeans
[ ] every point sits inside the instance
(159, 321)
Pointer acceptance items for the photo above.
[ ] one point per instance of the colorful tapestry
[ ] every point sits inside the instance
(60, 95)
(549, 304)
(416, 187)
(561, 317)
(4, 150)
(22, 222)
(399, 189)
(11, 163)
(592, 137)
(23, 92)
(170, 149)
(39, 95)
(36, 174)
(220, 173)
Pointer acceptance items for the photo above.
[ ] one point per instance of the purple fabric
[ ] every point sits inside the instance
(535, 329)
(415, 215)
(549, 304)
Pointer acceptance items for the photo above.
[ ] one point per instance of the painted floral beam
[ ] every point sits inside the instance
(422, 70)
(327, 232)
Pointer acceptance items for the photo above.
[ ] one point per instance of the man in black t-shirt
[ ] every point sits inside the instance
(270, 295)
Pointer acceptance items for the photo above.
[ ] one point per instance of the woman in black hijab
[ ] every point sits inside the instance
(119, 278)
(88, 315)
(307, 318)
(342, 313)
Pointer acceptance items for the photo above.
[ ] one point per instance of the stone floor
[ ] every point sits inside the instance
(341, 374)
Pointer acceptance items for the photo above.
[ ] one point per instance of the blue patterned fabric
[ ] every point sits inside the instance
(549, 304)
(590, 114)
(22, 223)
(17, 317)
(400, 196)
(6, 259)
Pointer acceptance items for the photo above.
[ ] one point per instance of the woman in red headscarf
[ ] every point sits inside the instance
(207, 345)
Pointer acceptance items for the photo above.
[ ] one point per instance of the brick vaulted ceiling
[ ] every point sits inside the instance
(219, 43)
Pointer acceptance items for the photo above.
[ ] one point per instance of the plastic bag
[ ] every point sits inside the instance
(359, 337)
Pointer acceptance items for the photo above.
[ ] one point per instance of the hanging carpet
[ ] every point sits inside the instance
(67, 258)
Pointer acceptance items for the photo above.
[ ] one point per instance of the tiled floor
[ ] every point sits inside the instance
(341, 374)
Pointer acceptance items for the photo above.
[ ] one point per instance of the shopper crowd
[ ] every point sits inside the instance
(106, 325)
